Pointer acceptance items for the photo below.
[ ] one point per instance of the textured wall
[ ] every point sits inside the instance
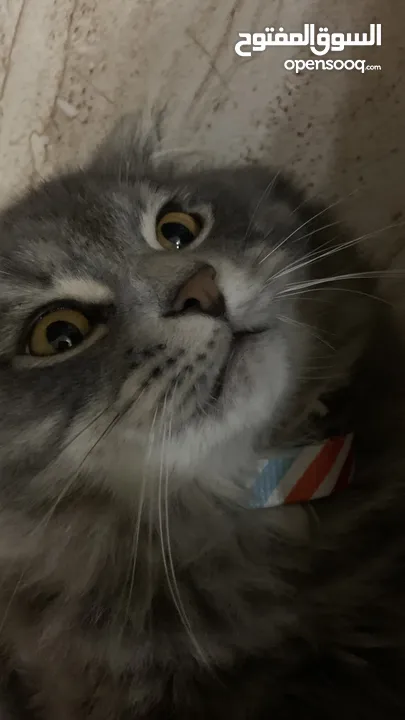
(68, 68)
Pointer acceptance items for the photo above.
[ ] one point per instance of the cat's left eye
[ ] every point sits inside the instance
(56, 331)
(177, 230)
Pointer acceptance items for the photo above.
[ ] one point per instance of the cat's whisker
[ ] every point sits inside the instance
(168, 541)
(109, 407)
(309, 259)
(70, 480)
(178, 151)
(308, 201)
(159, 503)
(310, 254)
(263, 250)
(87, 427)
(132, 402)
(290, 321)
(41, 526)
(149, 544)
(72, 477)
(319, 195)
(135, 545)
(269, 187)
(12, 597)
(300, 227)
(164, 532)
(308, 378)
(202, 409)
(303, 237)
(260, 260)
(301, 293)
(300, 238)
(319, 255)
(337, 278)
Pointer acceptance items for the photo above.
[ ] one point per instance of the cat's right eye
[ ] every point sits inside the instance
(57, 329)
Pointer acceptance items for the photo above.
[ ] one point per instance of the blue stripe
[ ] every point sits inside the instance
(270, 477)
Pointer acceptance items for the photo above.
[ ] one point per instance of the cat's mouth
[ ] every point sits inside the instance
(238, 343)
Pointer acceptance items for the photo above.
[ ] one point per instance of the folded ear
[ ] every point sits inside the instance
(130, 145)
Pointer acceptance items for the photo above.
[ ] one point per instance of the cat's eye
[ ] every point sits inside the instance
(55, 331)
(177, 230)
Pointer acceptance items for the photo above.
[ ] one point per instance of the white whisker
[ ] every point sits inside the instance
(178, 151)
(265, 194)
(135, 544)
(42, 525)
(317, 255)
(304, 224)
(282, 242)
(290, 321)
(336, 278)
(297, 264)
(300, 294)
(164, 534)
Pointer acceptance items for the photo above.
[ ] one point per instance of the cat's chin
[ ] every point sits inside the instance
(225, 380)
(245, 378)
(251, 387)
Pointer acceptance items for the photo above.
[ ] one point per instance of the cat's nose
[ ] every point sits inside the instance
(201, 294)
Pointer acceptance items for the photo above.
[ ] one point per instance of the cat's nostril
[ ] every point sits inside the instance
(191, 304)
(200, 293)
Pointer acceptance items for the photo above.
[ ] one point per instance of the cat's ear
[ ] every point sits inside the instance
(130, 146)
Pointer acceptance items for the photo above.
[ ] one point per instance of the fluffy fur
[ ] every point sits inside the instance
(135, 584)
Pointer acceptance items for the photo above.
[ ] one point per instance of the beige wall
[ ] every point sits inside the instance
(69, 67)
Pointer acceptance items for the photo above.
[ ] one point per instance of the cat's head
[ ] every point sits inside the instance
(156, 322)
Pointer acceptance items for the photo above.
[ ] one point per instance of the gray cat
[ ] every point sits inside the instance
(160, 333)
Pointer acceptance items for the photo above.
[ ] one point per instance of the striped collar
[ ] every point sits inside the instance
(305, 473)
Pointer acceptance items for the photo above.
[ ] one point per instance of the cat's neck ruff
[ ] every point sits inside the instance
(304, 473)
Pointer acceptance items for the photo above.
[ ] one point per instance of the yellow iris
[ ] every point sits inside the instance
(176, 230)
(57, 331)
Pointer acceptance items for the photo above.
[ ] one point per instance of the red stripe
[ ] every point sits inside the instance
(316, 472)
(344, 477)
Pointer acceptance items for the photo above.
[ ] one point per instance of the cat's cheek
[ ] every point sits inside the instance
(31, 444)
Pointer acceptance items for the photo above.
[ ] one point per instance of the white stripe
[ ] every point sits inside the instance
(332, 477)
(286, 484)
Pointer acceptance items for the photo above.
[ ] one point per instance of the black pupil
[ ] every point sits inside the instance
(63, 335)
(177, 234)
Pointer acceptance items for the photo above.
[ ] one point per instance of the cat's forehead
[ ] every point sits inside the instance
(83, 232)
(73, 216)
(77, 238)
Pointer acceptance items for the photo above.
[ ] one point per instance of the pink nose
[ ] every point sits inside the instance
(201, 294)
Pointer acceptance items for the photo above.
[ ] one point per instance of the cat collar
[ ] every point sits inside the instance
(303, 474)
